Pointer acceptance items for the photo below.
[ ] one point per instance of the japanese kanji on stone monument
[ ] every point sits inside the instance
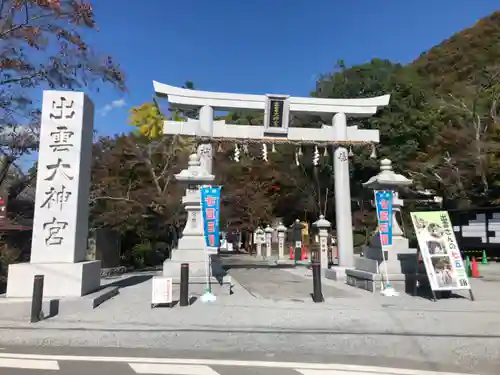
(60, 226)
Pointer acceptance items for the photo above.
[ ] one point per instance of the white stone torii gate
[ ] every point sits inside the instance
(275, 128)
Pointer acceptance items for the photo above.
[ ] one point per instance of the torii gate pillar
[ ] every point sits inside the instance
(277, 111)
(343, 213)
(205, 150)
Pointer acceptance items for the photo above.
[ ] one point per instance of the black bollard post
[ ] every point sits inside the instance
(36, 301)
(317, 293)
(184, 297)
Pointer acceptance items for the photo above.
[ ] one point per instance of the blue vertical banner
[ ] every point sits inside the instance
(210, 209)
(383, 202)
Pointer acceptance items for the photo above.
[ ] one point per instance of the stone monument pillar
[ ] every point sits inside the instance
(60, 226)
(191, 246)
(269, 234)
(323, 225)
(281, 240)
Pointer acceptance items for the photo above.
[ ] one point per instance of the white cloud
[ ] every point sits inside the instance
(110, 106)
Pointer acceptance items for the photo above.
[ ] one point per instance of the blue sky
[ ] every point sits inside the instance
(261, 46)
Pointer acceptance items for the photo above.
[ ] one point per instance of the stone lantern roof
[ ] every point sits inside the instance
(322, 223)
(194, 173)
(387, 178)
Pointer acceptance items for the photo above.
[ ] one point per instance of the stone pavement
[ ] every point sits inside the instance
(286, 285)
(490, 272)
(355, 328)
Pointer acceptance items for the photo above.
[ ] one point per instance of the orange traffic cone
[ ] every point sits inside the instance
(303, 253)
(474, 268)
(292, 255)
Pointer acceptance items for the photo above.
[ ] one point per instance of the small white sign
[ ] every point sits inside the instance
(162, 290)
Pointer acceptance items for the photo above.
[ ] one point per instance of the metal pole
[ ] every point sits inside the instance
(184, 297)
(36, 301)
(317, 293)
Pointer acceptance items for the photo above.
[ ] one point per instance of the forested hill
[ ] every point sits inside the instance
(462, 59)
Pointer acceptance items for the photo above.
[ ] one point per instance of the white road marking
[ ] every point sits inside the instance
(227, 362)
(165, 369)
(31, 364)
(368, 370)
(332, 372)
(339, 372)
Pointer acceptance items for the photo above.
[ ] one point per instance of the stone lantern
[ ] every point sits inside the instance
(281, 240)
(259, 234)
(387, 179)
(323, 225)
(398, 259)
(268, 235)
(191, 246)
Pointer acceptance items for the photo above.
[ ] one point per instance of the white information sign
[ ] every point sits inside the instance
(162, 290)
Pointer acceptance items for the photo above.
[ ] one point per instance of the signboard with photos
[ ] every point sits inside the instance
(440, 252)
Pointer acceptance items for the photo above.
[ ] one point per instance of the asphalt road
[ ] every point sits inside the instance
(22, 360)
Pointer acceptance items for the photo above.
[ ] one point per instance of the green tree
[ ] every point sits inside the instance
(462, 161)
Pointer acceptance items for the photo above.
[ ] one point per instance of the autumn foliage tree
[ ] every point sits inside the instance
(42, 45)
(134, 189)
(132, 178)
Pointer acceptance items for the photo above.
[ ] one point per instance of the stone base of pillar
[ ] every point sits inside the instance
(191, 249)
(336, 273)
(60, 279)
(376, 282)
(190, 242)
(195, 257)
(369, 274)
(398, 257)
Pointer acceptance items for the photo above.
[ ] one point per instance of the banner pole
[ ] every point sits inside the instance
(208, 285)
(387, 281)
(208, 296)
(386, 289)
